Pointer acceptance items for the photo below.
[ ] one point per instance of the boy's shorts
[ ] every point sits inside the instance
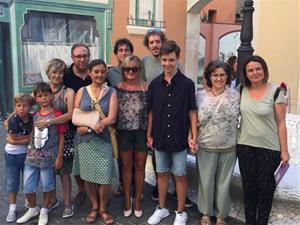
(14, 167)
(32, 176)
(174, 162)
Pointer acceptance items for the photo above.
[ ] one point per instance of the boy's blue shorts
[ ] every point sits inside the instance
(32, 176)
(14, 166)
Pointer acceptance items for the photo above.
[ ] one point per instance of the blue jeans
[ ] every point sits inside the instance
(174, 162)
(14, 167)
(32, 176)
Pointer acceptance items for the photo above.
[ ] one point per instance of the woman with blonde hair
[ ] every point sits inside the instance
(131, 126)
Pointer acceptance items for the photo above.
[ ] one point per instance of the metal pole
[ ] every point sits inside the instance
(245, 50)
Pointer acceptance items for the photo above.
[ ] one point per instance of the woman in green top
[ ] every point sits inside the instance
(262, 139)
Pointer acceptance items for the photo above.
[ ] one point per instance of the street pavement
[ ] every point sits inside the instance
(115, 205)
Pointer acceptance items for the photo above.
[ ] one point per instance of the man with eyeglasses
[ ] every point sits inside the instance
(76, 76)
(123, 48)
(153, 40)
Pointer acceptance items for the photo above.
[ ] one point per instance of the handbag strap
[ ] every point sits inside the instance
(95, 102)
(217, 108)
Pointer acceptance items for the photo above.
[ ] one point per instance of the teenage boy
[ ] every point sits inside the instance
(76, 76)
(44, 155)
(19, 127)
(153, 40)
(172, 112)
(122, 49)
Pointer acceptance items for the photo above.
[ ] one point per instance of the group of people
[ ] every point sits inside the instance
(154, 107)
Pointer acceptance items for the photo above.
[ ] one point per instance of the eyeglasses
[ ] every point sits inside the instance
(134, 69)
(221, 75)
(153, 30)
(81, 56)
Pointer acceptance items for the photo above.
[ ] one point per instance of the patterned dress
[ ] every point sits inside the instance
(93, 159)
(60, 103)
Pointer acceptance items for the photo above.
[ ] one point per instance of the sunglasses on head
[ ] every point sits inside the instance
(134, 69)
(153, 30)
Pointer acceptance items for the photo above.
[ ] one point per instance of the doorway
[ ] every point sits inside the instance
(6, 76)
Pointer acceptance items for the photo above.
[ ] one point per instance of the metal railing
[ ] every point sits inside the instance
(146, 23)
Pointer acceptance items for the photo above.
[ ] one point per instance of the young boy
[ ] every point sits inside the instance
(19, 127)
(44, 155)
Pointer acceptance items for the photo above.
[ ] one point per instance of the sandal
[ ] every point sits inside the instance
(91, 216)
(205, 220)
(106, 218)
(221, 222)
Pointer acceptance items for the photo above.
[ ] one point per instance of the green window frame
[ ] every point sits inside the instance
(145, 12)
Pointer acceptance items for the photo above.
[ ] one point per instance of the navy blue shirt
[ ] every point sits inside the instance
(18, 127)
(170, 105)
(75, 82)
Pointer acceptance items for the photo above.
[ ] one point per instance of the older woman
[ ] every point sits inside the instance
(218, 110)
(63, 101)
(262, 139)
(131, 125)
(93, 160)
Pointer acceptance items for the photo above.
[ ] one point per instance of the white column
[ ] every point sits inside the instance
(192, 45)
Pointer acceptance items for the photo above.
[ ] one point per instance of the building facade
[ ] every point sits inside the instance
(34, 31)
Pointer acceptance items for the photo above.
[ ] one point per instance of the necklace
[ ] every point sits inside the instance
(216, 94)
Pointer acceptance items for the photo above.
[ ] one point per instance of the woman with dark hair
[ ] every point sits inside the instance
(131, 126)
(93, 160)
(262, 139)
(218, 110)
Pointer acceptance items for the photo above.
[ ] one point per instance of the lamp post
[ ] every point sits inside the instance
(245, 50)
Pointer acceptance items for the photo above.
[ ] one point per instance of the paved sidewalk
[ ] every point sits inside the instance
(115, 207)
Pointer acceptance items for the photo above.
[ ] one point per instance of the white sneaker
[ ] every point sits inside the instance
(11, 216)
(31, 213)
(158, 215)
(43, 220)
(181, 218)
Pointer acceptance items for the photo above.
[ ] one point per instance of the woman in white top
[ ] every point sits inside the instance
(218, 110)
(262, 139)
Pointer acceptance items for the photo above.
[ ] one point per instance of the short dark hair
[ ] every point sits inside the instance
(215, 64)
(96, 62)
(160, 34)
(123, 41)
(168, 47)
(254, 58)
(80, 45)
(232, 60)
(41, 87)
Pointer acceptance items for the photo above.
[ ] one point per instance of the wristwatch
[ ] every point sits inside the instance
(89, 130)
